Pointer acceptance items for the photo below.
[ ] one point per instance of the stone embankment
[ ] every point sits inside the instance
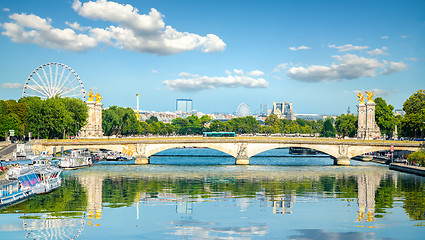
(408, 169)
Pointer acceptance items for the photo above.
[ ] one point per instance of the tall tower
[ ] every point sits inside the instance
(138, 115)
(372, 130)
(361, 123)
(367, 127)
(94, 121)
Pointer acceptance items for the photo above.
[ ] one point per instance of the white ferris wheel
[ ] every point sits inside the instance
(52, 79)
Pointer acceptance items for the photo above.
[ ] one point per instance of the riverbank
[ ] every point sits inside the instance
(408, 169)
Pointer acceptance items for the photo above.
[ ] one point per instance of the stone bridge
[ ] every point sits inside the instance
(241, 148)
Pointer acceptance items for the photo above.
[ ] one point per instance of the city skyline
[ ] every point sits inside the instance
(221, 54)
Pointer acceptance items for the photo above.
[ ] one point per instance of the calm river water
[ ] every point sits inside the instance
(203, 196)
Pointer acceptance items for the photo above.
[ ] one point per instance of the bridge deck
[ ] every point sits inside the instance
(200, 139)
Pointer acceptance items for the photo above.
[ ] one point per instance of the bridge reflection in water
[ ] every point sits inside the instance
(279, 203)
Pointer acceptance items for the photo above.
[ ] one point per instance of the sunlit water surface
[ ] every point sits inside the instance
(205, 196)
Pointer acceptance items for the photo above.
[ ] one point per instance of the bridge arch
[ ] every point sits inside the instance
(265, 147)
(156, 148)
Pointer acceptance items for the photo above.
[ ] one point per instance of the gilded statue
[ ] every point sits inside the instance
(91, 96)
(360, 97)
(98, 98)
(370, 96)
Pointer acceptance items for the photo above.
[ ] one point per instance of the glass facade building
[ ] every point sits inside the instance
(184, 105)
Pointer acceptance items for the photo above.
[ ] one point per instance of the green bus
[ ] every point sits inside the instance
(219, 134)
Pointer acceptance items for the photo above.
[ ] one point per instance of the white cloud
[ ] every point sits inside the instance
(404, 36)
(348, 47)
(154, 71)
(206, 82)
(238, 71)
(413, 59)
(394, 67)
(380, 92)
(378, 51)
(384, 37)
(349, 66)
(12, 85)
(187, 75)
(255, 73)
(144, 33)
(126, 15)
(33, 29)
(6, 9)
(280, 67)
(76, 26)
(299, 48)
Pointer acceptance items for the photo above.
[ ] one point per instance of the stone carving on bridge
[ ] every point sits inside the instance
(140, 151)
(242, 151)
(343, 150)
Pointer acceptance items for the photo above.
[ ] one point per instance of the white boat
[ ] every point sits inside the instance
(40, 179)
(77, 159)
(12, 192)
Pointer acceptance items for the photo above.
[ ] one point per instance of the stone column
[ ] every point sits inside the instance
(361, 126)
(141, 157)
(343, 161)
(372, 129)
(98, 120)
(141, 161)
(242, 157)
(88, 130)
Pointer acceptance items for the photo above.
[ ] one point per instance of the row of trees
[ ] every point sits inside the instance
(50, 118)
(122, 121)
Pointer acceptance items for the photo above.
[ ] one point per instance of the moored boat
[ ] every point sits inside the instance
(302, 151)
(40, 179)
(77, 159)
(12, 192)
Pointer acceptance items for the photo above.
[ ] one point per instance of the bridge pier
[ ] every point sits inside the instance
(342, 161)
(242, 161)
(141, 161)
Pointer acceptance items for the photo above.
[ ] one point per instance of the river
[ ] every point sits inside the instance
(199, 194)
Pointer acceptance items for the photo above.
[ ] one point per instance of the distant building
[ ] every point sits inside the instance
(307, 116)
(184, 105)
(399, 112)
(263, 109)
(283, 110)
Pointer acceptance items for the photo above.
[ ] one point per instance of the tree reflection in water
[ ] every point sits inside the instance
(84, 194)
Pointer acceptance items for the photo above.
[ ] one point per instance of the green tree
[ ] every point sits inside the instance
(181, 125)
(346, 125)
(119, 120)
(418, 157)
(384, 116)
(413, 121)
(152, 119)
(328, 128)
(205, 119)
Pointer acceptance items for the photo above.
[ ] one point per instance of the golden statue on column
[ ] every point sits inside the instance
(91, 96)
(360, 98)
(98, 98)
(370, 96)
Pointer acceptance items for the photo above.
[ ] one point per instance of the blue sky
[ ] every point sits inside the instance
(316, 54)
